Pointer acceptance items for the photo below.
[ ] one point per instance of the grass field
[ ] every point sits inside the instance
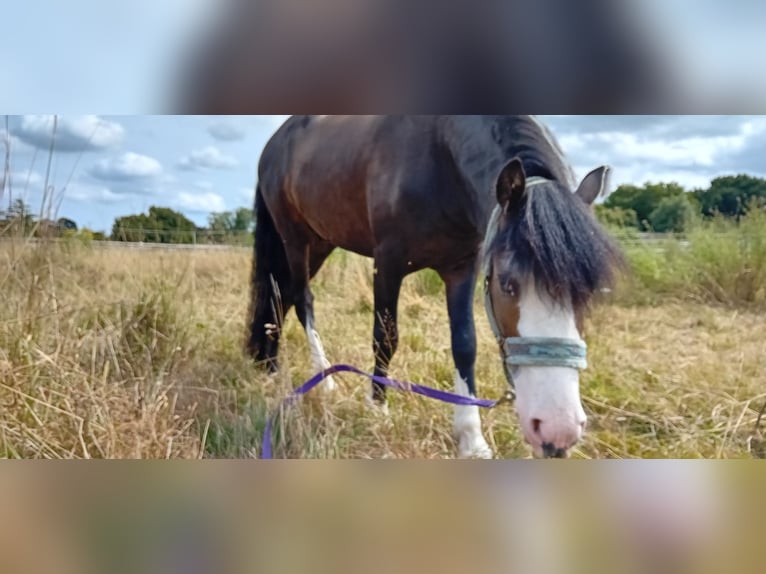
(126, 353)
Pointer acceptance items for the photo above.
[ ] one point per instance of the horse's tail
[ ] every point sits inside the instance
(270, 287)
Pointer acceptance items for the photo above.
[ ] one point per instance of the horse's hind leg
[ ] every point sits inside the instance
(305, 261)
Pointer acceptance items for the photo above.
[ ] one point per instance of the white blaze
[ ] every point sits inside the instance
(548, 398)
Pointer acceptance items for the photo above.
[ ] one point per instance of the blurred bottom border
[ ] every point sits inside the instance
(229, 516)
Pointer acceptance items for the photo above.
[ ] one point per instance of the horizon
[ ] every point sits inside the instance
(111, 166)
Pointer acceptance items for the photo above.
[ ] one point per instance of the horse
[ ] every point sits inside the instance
(461, 195)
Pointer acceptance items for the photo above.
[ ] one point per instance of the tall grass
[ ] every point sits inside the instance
(718, 261)
(120, 353)
(86, 372)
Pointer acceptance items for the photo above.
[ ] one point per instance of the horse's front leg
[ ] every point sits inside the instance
(387, 283)
(467, 423)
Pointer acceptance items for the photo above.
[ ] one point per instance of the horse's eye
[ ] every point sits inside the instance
(509, 287)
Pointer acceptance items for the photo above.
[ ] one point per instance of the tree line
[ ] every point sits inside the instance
(670, 208)
(652, 207)
(164, 225)
(157, 225)
(18, 219)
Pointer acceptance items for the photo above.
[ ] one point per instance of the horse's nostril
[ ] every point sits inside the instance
(550, 451)
(536, 425)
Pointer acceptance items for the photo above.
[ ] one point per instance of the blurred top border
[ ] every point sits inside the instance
(383, 56)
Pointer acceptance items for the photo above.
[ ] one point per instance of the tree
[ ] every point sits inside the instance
(616, 216)
(159, 225)
(643, 200)
(673, 214)
(20, 210)
(173, 227)
(221, 222)
(134, 228)
(238, 221)
(243, 219)
(225, 224)
(64, 223)
(731, 195)
(19, 217)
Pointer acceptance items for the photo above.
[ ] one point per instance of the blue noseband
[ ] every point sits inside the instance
(545, 352)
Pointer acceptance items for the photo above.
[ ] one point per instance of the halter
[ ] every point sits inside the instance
(527, 351)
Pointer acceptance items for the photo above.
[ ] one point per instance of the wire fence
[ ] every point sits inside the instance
(109, 244)
(131, 238)
(137, 238)
(184, 236)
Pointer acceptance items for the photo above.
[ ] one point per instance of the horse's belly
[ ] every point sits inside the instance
(336, 212)
(347, 233)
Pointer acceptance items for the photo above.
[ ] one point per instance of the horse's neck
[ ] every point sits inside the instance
(479, 160)
(529, 132)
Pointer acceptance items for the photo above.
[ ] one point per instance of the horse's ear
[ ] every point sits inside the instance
(510, 184)
(593, 185)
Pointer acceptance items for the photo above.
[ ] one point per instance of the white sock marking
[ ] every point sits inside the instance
(467, 426)
(318, 358)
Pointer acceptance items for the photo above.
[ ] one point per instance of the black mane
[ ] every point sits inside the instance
(530, 140)
(554, 236)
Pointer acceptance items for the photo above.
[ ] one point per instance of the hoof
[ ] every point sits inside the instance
(474, 450)
(474, 447)
(328, 386)
(376, 406)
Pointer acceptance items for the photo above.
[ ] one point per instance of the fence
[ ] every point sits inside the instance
(186, 236)
(244, 240)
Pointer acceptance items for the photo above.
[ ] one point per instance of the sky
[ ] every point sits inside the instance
(109, 166)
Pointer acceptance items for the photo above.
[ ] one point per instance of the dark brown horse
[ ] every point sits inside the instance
(417, 192)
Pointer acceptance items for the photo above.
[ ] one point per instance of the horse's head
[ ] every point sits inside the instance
(545, 257)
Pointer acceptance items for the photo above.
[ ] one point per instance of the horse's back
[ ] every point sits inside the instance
(339, 175)
(327, 147)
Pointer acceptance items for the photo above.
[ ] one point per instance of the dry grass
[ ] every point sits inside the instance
(121, 353)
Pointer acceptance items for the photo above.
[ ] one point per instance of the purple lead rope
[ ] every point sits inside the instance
(442, 396)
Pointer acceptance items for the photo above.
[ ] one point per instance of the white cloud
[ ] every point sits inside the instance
(246, 194)
(204, 185)
(276, 121)
(205, 202)
(15, 143)
(693, 142)
(26, 180)
(690, 151)
(73, 134)
(208, 157)
(226, 131)
(87, 193)
(128, 166)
